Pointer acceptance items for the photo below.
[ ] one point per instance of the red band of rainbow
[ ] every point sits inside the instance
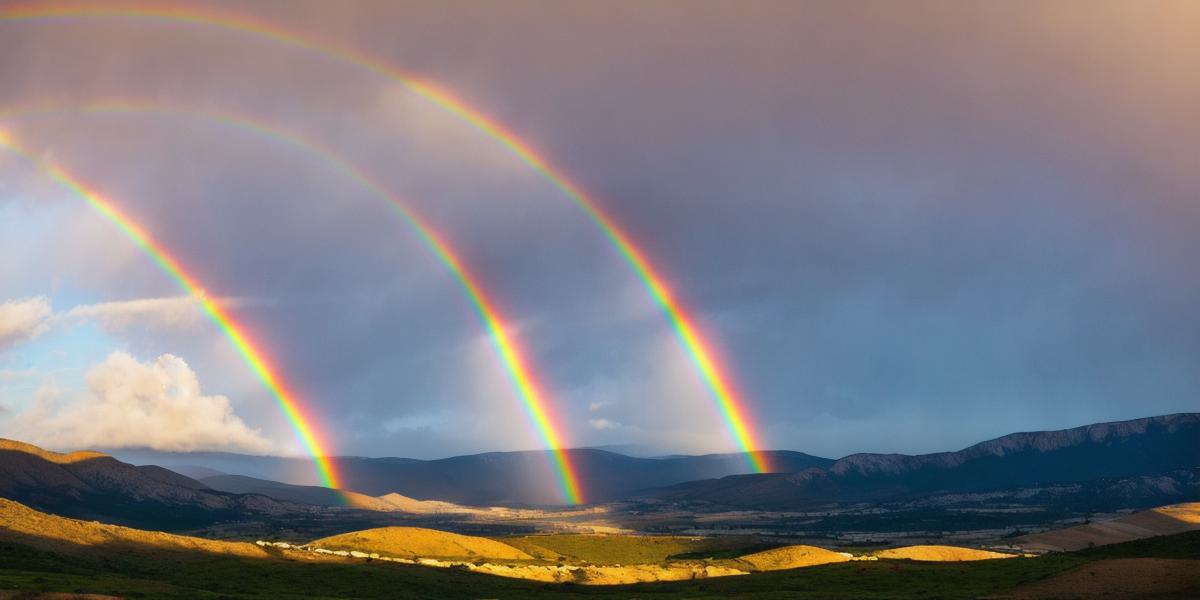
(730, 405)
(509, 352)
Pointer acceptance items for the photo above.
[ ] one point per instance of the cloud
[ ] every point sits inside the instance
(159, 313)
(598, 404)
(603, 424)
(23, 320)
(972, 218)
(128, 403)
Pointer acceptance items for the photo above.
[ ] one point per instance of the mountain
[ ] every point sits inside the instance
(1147, 460)
(323, 496)
(196, 472)
(302, 494)
(489, 479)
(91, 485)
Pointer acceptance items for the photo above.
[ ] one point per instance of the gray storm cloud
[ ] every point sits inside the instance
(971, 218)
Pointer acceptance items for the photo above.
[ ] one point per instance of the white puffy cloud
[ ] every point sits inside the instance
(156, 404)
(22, 320)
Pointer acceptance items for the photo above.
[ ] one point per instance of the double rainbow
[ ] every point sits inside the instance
(509, 352)
(716, 378)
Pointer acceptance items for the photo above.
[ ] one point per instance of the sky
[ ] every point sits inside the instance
(902, 227)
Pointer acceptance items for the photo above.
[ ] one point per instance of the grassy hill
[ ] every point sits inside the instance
(791, 557)
(608, 549)
(939, 553)
(420, 542)
(634, 549)
(21, 524)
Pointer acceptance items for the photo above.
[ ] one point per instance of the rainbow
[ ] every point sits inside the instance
(224, 321)
(715, 376)
(511, 356)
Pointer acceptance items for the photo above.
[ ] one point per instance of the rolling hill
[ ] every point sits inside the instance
(791, 557)
(1166, 520)
(23, 525)
(420, 542)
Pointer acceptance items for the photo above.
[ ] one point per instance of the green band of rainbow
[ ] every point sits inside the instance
(685, 330)
(224, 321)
(509, 352)
(732, 408)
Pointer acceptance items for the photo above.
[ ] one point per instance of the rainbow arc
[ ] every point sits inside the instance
(234, 331)
(510, 354)
(716, 377)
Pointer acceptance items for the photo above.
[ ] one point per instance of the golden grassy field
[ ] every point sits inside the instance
(939, 553)
(19, 523)
(594, 560)
(424, 543)
(792, 557)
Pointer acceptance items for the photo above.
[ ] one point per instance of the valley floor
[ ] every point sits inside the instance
(1163, 567)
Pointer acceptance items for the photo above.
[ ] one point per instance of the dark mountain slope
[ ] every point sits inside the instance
(90, 485)
(1121, 454)
(489, 479)
(303, 494)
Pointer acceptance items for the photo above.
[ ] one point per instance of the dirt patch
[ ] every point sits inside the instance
(1167, 520)
(792, 557)
(1188, 512)
(1119, 578)
(940, 553)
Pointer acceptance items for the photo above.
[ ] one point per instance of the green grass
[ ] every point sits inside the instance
(160, 575)
(634, 549)
(610, 549)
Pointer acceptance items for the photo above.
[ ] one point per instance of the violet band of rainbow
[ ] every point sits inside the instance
(730, 404)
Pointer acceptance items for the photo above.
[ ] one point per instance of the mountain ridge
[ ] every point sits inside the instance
(1118, 452)
(91, 485)
(1043, 441)
(1151, 458)
(510, 478)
